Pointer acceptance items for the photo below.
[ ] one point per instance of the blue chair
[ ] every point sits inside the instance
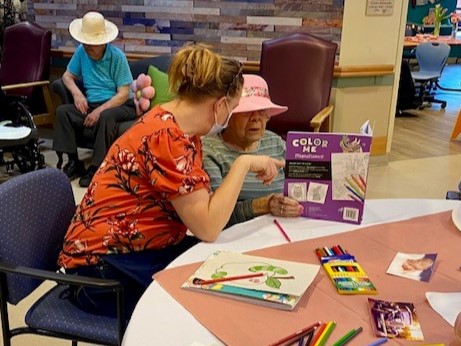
(35, 211)
(431, 57)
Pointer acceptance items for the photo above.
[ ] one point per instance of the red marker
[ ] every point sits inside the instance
(279, 226)
(198, 281)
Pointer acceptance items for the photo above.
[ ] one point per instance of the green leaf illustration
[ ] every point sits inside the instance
(274, 283)
(218, 275)
(259, 268)
(279, 270)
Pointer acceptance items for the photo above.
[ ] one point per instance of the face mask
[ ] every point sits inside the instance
(217, 128)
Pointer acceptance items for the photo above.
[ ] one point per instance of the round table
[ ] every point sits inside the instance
(159, 320)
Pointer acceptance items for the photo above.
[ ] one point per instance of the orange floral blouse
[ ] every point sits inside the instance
(127, 205)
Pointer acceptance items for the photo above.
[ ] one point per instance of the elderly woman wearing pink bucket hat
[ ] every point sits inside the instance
(246, 134)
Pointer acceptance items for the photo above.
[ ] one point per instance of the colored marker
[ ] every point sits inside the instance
(296, 335)
(309, 338)
(378, 342)
(326, 334)
(198, 281)
(348, 337)
(279, 226)
(319, 333)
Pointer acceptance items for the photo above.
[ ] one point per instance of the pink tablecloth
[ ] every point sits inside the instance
(239, 323)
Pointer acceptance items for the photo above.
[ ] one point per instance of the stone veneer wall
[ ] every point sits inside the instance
(236, 28)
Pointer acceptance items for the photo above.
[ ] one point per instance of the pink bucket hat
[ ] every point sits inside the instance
(255, 97)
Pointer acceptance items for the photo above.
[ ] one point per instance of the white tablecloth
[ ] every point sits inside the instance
(159, 320)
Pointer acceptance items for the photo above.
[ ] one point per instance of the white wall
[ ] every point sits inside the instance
(370, 40)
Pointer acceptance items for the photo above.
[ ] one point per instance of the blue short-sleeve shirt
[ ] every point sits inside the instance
(101, 78)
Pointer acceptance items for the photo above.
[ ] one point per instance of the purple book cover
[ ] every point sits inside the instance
(327, 174)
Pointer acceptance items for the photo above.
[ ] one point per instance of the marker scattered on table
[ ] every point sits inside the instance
(378, 342)
(318, 333)
(325, 334)
(198, 281)
(296, 335)
(279, 226)
(348, 337)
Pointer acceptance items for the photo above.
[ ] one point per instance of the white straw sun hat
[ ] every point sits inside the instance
(93, 29)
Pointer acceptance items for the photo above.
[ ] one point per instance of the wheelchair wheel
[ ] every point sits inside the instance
(28, 157)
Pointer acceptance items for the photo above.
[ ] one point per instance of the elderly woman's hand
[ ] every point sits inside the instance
(280, 205)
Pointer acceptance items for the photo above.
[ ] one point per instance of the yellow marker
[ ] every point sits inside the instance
(325, 334)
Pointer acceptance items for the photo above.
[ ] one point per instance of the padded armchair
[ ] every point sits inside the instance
(431, 57)
(298, 69)
(162, 62)
(35, 212)
(25, 68)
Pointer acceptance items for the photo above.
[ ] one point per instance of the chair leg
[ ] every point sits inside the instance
(74, 343)
(6, 332)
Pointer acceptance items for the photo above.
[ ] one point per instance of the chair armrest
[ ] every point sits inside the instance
(322, 118)
(69, 279)
(60, 89)
(25, 85)
(73, 280)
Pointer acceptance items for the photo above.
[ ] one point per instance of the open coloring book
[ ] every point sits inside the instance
(260, 280)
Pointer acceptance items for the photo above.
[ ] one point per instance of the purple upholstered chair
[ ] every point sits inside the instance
(298, 69)
(25, 68)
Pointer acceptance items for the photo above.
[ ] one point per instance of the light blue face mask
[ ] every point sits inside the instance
(217, 128)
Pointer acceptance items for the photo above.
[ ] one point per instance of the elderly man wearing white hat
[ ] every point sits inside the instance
(105, 73)
(246, 134)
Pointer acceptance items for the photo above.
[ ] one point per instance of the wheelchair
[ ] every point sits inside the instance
(18, 146)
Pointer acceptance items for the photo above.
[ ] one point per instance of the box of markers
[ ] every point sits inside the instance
(344, 271)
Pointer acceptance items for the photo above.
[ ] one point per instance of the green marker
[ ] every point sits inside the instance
(348, 337)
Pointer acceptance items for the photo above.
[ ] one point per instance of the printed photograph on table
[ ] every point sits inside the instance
(327, 173)
(395, 320)
(413, 266)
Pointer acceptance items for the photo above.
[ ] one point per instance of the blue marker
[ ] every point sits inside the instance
(378, 342)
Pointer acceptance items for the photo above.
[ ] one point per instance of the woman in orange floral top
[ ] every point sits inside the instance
(151, 186)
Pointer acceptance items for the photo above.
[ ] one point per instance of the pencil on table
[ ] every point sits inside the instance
(279, 226)
(319, 332)
(198, 281)
(296, 335)
(348, 337)
(326, 334)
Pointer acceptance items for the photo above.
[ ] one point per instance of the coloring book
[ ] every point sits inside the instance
(327, 173)
(260, 280)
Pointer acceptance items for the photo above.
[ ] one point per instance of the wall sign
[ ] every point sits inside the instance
(380, 7)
